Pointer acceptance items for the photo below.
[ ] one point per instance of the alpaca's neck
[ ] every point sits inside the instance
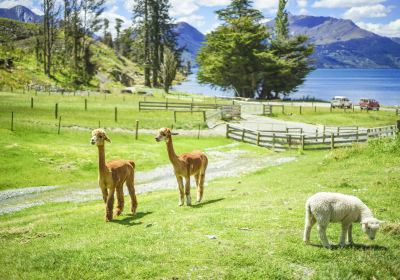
(365, 212)
(102, 160)
(171, 153)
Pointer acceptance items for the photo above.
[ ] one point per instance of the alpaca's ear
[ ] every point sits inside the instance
(174, 133)
(107, 139)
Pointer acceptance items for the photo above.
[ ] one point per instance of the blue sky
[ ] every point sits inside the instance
(379, 16)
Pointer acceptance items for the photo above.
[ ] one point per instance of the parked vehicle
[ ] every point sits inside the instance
(340, 102)
(369, 104)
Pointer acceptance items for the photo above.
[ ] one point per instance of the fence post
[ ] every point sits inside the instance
(137, 130)
(191, 108)
(302, 141)
(315, 108)
(283, 109)
(357, 135)
(273, 141)
(330, 109)
(174, 116)
(56, 111)
(12, 121)
(59, 125)
(338, 131)
(332, 140)
(99, 125)
(227, 130)
(243, 131)
(198, 133)
(204, 116)
(85, 104)
(258, 138)
(398, 125)
(31, 102)
(116, 114)
(300, 109)
(290, 141)
(166, 103)
(397, 112)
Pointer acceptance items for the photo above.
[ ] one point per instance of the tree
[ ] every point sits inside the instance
(50, 17)
(229, 58)
(118, 25)
(241, 55)
(294, 56)
(168, 69)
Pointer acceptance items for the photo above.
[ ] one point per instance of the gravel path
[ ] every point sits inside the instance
(224, 161)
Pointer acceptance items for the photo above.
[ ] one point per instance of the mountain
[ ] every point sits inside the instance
(20, 13)
(190, 39)
(338, 43)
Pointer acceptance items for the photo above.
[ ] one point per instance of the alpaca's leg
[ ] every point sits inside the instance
(187, 191)
(104, 192)
(197, 179)
(130, 183)
(201, 187)
(110, 205)
(350, 235)
(345, 228)
(120, 200)
(180, 186)
(309, 223)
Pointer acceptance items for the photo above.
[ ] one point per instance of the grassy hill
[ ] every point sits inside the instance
(18, 42)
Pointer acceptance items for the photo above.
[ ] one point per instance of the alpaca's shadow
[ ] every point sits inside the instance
(201, 204)
(129, 220)
(361, 247)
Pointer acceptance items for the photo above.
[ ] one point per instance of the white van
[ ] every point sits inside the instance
(340, 102)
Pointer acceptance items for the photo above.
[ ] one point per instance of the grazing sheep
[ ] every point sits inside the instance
(325, 207)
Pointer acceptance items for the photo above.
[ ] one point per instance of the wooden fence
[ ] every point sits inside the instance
(175, 106)
(281, 140)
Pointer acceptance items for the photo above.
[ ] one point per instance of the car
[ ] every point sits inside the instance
(369, 104)
(340, 102)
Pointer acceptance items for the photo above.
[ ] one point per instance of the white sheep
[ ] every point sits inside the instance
(326, 207)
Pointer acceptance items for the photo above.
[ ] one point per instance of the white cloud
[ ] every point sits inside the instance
(303, 11)
(112, 14)
(391, 29)
(212, 3)
(373, 11)
(195, 20)
(344, 3)
(12, 3)
(267, 5)
(302, 3)
(183, 7)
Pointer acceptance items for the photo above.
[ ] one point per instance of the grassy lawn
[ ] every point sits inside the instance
(257, 221)
(338, 117)
(34, 156)
(101, 108)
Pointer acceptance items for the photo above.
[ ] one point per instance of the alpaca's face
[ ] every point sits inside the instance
(371, 227)
(98, 137)
(163, 134)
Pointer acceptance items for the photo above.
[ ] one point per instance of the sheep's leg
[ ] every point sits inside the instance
(342, 241)
(322, 235)
(350, 234)
(120, 199)
(110, 205)
(180, 185)
(130, 183)
(309, 223)
(187, 191)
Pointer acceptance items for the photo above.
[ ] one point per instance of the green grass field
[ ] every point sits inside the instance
(257, 221)
(338, 117)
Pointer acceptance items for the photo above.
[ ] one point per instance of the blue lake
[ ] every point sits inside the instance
(380, 84)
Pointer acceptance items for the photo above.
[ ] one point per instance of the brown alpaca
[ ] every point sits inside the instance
(112, 176)
(185, 165)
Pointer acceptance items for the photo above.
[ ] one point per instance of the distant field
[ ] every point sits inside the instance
(338, 117)
(100, 108)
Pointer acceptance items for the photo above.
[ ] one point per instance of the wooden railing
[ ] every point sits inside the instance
(281, 140)
(175, 106)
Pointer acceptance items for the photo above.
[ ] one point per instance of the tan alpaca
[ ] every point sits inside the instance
(112, 176)
(185, 165)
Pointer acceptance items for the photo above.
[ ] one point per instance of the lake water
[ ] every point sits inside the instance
(380, 84)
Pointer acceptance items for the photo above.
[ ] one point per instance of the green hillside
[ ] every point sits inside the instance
(18, 42)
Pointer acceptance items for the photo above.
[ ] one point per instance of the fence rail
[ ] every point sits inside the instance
(175, 106)
(280, 140)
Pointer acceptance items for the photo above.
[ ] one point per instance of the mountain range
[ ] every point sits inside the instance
(338, 43)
